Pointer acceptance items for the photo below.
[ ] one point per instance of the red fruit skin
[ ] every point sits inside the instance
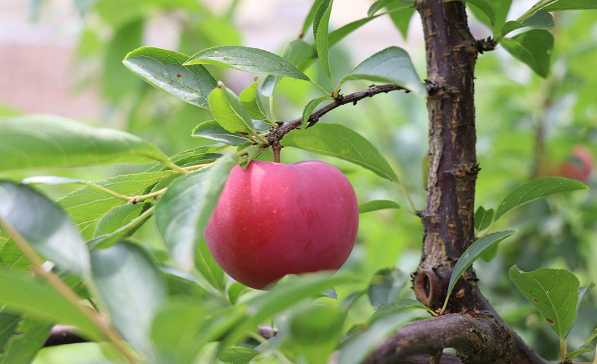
(579, 165)
(275, 219)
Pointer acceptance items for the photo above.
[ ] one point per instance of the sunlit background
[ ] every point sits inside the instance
(64, 58)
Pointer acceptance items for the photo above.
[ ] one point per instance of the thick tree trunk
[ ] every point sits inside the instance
(469, 325)
(448, 215)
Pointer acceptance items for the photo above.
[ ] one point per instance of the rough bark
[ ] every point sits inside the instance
(470, 325)
(448, 226)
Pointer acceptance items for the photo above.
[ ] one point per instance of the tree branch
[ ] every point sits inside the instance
(286, 127)
(477, 339)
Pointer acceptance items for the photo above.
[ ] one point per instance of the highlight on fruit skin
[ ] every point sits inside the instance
(274, 219)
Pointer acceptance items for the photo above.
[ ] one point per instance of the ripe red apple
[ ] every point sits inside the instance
(274, 219)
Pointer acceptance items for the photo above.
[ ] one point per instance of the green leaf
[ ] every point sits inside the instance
(533, 48)
(539, 20)
(247, 59)
(559, 5)
(117, 218)
(174, 331)
(405, 9)
(553, 292)
(79, 353)
(51, 180)
(12, 257)
(396, 306)
(581, 294)
(318, 15)
(229, 111)
(472, 253)
(183, 211)
(341, 142)
(9, 323)
(251, 152)
(385, 285)
(391, 65)
(321, 24)
(586, 347)
(401, 19)
(127, 229)
(132, 288)
(379, 4)
(536, 189)
(88, 205)
(483, 218)
(21, 293)
(283, 296)
(298, 52)
(310, 107)
(376, 6)
(44, 225)
(235, 291)
(377, 205)
(583, 349)
(41, 141)
(500, 9)
(117, 82)
(163, 69)
(212, 130)
(337, 35)
(250, 99)
(268, 85)
(315, 331)
(209, 269)
(23, 347)
(356, 349)
(222, 323)
(309, 19)
(485, 7)
(238, 355)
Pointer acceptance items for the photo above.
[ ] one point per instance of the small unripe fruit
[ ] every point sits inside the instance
(274, 219)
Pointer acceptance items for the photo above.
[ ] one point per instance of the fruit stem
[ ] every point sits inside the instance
(276, 147)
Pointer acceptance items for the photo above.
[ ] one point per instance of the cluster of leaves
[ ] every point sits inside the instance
(181, 307)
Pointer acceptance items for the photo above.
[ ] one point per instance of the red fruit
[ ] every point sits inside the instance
(579, 165)
(275, 219)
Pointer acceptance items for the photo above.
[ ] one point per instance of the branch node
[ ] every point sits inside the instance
(485, 45)
(427, 287)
